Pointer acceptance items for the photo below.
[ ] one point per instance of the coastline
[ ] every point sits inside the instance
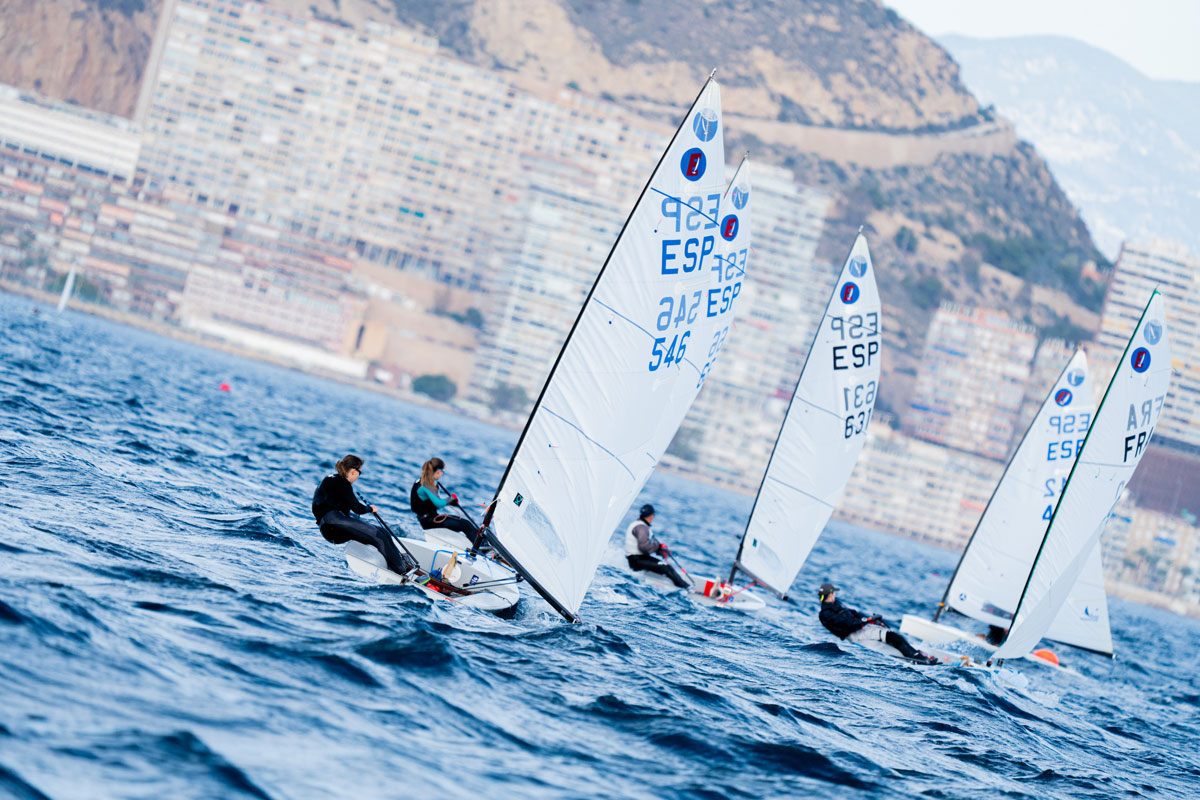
(669, 465)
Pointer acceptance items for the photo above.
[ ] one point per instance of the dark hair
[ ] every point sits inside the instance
(427, 469)
(646, 511)
(348, 463)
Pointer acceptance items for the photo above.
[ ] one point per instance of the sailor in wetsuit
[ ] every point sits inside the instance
(332, 503)
(429, 506)
(641, 549)
(847, 623)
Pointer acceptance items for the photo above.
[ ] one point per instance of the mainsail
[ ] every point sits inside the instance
(639, 351)
(998, 557)
(822, 433)
(1119, 435)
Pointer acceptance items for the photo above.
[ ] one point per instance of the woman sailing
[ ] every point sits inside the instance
(332, 503)
(431, 508)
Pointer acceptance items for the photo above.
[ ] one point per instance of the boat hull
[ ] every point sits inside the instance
(498, 592)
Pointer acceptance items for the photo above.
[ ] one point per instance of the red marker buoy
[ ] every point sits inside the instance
(224, 387)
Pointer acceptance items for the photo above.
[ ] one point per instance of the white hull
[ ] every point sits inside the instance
(936, 633)
(741, 599)
(722, 595)
(444, 537)
(498, 593)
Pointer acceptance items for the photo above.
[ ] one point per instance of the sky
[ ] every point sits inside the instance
(1156, 37)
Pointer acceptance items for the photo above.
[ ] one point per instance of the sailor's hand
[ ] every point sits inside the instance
(453, 499)
(373, 509)
(663, 549)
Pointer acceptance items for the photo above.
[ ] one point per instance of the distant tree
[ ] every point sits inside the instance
(925, 292)
(439, 387)
(685, 443)
(507, 397)
(906, 240)
(970, 268)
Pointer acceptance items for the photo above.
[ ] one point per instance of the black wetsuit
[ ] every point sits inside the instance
(842, 621)
(331, 505)
(430, 516)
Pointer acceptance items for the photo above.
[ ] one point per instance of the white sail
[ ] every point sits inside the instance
(1120, 432)
(822, 433)
(68, 287)
(996, 562)
(640, 349)
(1083, 619)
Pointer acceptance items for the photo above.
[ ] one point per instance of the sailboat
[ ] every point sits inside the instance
(68, 287)
(646, 338)
(1113, 447)
(820, 439)
(987, 582)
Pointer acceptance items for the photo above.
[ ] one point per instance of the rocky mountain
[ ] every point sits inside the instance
(1125, 147)
(844, 92)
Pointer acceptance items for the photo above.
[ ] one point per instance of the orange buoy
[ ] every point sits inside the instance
(224, 387)
(1047, 655)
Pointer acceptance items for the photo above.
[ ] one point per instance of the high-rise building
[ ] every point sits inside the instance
(923, 491)
(1140, 269)
(565, 229)
(367, 139)
(1048, 363)
(735, 420)
(971, 381)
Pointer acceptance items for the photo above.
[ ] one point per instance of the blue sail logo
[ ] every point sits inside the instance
(849, 293)
(1140, 360)
(729, 228)
(1075, 377)
(704, 124)
(858, 266)
(1153, 331)
(741, 196)
(1063, 397)
(693, 164)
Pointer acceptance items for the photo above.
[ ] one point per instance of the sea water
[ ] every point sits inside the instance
(172, 625)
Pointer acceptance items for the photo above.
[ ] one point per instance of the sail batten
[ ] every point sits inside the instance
(628, 371)
(823, 430)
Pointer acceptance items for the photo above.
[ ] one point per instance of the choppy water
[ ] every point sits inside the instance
(173, 625)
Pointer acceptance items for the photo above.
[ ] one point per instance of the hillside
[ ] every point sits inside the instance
(1125, 147)
(844, 92)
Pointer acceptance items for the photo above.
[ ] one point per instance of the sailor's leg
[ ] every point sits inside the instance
(346, 528)
(672, 573)
(900, 643)
(869, 633)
